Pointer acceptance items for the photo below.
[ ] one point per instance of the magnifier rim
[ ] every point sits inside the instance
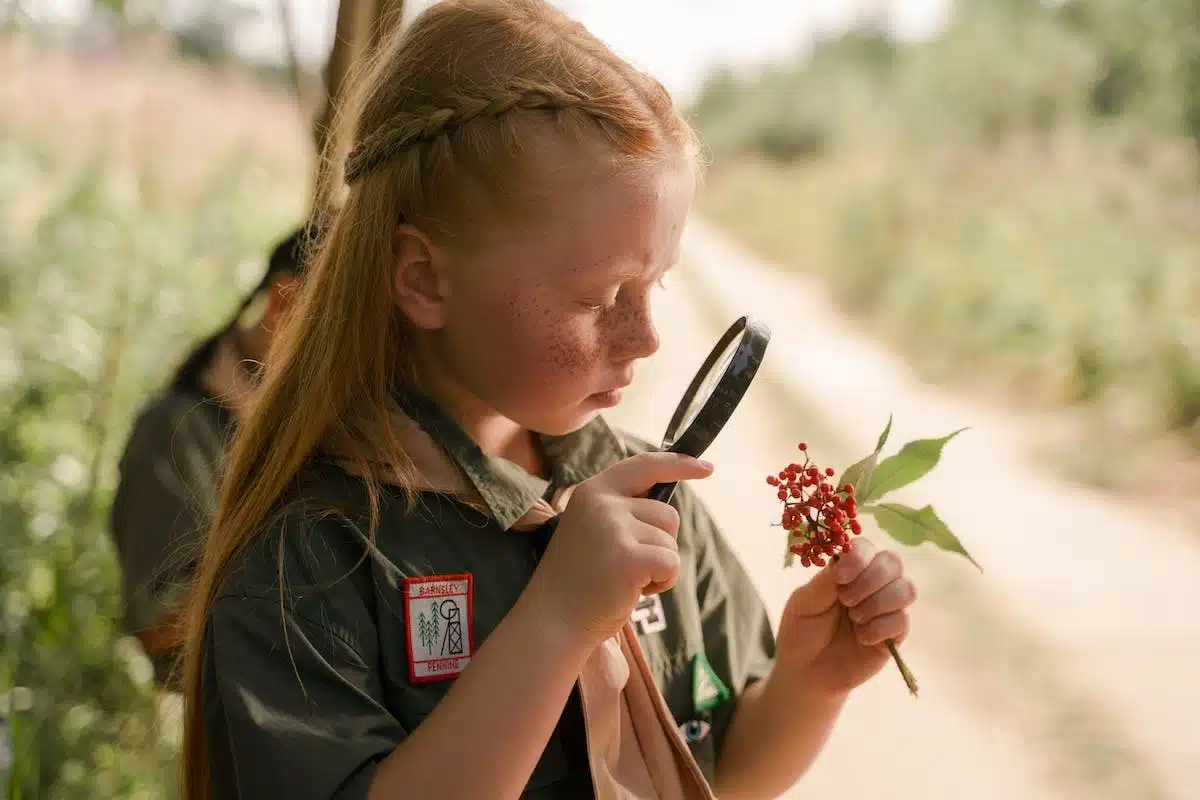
(720, 405)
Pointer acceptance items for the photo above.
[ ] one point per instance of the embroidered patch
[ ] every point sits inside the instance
(694, 730)
(649, 616)
(708, 691)
(439, 614)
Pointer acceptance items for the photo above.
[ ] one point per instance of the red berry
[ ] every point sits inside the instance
(848, 489)
(848, 547)
(829, 471)
(802, 446)
(772, 480)
(856, 527)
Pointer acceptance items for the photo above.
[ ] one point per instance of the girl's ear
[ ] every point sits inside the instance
(419, 282)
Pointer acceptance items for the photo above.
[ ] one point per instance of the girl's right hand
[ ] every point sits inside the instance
(612, 545)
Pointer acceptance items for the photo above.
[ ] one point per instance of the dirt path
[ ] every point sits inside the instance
(1108, 590)
(887, 745)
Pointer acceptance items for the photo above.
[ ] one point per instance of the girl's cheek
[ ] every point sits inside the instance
(570, 351)
(562, 341)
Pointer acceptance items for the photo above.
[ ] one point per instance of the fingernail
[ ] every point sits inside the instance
(705, 464)
(844, 571)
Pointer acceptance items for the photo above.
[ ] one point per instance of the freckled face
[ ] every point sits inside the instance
(543, 327)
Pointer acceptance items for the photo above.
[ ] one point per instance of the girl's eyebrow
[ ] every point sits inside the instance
(629, 271)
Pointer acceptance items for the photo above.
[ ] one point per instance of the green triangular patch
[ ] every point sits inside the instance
(708, 691)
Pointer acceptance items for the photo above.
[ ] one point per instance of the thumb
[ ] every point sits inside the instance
(816, 597)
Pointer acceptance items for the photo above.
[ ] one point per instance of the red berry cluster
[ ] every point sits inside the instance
(819, 518)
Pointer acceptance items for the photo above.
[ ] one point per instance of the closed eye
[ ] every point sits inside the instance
(594, 305)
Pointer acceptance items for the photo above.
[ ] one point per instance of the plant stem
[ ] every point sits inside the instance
(910, 680)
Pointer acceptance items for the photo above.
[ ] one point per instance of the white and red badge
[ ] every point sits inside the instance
(439, 613)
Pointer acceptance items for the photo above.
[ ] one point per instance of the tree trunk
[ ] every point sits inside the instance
(361, 26)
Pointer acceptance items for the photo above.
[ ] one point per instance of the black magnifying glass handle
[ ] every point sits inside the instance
(715, 391)
(662, 491)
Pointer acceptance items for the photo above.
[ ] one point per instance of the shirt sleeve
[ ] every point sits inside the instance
(293, 694)
(738, 640)
(163, 507)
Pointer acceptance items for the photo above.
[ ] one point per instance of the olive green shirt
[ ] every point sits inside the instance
(164, 505)
(304, 697)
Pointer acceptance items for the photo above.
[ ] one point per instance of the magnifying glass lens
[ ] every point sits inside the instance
(706, 389)
(714, 393)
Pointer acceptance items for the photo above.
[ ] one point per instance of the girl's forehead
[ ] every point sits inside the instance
(620, 228)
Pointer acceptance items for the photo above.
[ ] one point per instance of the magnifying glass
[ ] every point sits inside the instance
(714, 393)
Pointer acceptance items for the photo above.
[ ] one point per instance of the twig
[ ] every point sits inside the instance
(910, 680)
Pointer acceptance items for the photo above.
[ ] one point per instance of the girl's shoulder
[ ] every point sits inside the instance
(315, 536)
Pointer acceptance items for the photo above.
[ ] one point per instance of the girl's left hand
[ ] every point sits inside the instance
(834, 630)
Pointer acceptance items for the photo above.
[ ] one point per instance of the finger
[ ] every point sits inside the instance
(661, 516)
(884, 568)
(657, 567)
(850, 565)
(815, 597)
(653, 536)
(892, 626)
(896, 596)
(637, 474)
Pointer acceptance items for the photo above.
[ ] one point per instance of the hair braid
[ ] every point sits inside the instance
(427, 123)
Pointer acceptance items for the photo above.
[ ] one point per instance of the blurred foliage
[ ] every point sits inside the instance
(201, 31)
(129, 225)
(1014, 201)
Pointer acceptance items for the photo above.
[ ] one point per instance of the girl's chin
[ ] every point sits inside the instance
(609, 399)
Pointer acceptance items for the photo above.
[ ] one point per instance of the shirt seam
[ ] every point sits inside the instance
(321, 626)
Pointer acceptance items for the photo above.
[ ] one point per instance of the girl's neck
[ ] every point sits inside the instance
(496, 435)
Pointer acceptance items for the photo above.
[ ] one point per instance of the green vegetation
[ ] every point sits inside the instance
(138, 198)
(1014, 203)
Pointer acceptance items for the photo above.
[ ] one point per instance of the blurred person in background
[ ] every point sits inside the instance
(168, 484)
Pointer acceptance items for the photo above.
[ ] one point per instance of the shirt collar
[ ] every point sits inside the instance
(506, 489)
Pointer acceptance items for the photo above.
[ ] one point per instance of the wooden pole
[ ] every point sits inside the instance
(361, 26)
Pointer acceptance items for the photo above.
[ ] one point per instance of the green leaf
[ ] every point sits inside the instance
(912, 463)
(912, 527)
(883, 437)
(858, 474)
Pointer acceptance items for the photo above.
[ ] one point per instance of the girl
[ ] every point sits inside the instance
(382, 610)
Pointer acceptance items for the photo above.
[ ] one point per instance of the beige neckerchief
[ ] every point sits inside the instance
(634, 748)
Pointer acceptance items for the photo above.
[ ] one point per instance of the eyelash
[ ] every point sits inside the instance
(661, 283)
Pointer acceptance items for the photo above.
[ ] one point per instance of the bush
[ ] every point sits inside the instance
(125, 236)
